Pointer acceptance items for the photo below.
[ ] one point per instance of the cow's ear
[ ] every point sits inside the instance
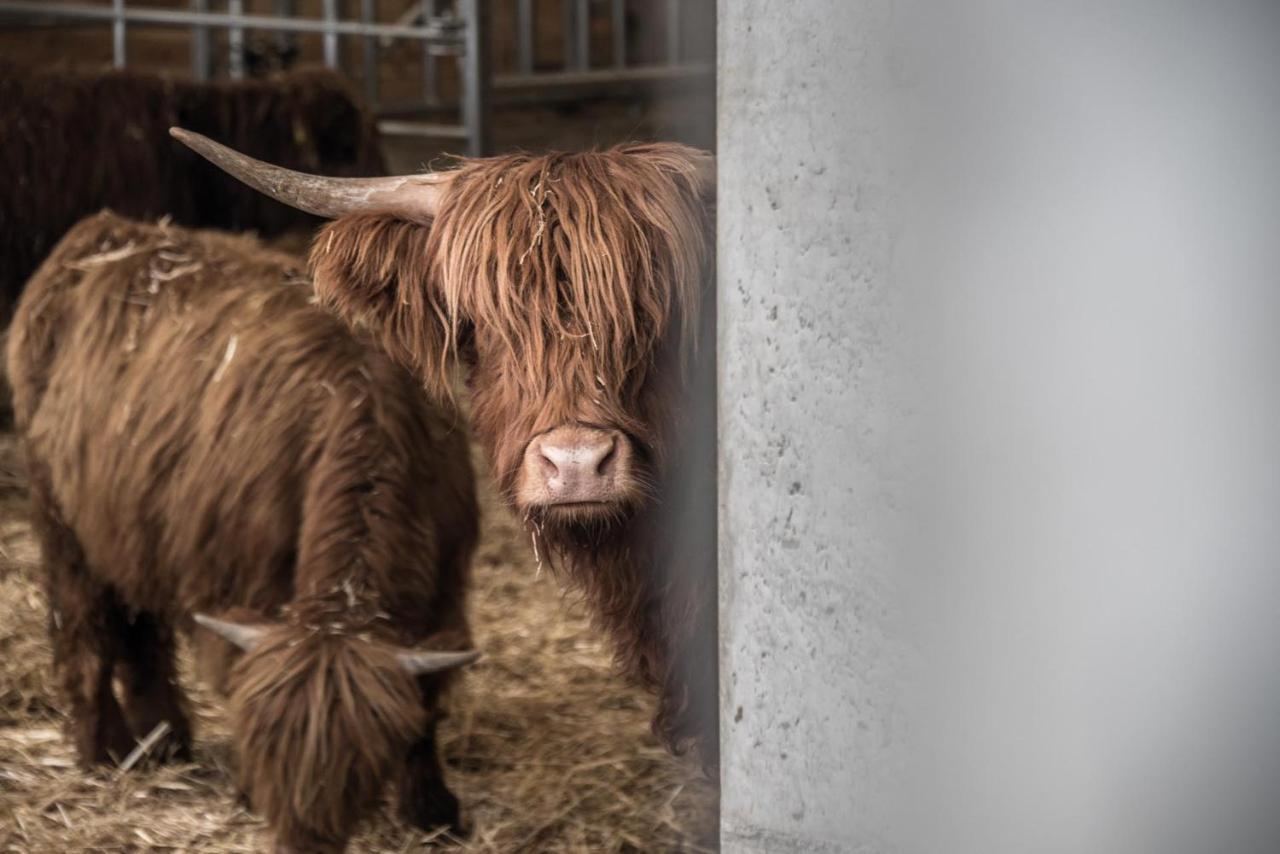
(372, 271)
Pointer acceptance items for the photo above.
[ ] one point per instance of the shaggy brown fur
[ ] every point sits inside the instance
(574, 287)
(201, 438)
(294, 698)
(72, 143)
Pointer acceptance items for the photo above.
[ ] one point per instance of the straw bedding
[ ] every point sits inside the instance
(546, 747)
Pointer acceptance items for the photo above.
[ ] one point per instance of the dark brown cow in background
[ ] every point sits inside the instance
(73, 142)
(574, 288)
(201, 438)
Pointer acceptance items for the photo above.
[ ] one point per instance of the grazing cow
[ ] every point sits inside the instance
(574, 288)
(204, 443)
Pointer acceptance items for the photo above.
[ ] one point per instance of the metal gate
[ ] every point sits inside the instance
(443, 29)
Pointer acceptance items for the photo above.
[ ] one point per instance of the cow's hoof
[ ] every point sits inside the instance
(428, 813)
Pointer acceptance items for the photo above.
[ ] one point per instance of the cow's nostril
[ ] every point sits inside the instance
(548, 465)
(606, 464)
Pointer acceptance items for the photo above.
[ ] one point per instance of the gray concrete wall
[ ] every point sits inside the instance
(803, 409)
(1090, 254)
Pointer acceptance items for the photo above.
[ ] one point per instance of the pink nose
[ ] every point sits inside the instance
(569, 465)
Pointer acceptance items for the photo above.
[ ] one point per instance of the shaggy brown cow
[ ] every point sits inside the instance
(310, 119)
(574, 288)
(201, 438)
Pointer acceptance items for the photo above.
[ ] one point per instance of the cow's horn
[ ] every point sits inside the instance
(244, 636)
(412, 197)
(420, 663)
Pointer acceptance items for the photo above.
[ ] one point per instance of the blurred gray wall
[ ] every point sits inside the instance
(1095, 231)
(805, 673)
(1067, 217)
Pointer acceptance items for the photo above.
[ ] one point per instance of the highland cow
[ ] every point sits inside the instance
(205, 444)
(574, 289)
(75, 142)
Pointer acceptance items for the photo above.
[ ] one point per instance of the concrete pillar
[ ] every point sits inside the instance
(804, 406)
(1092, 233)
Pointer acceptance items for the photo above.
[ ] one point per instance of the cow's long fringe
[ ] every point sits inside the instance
(290, 699)
(579, 262)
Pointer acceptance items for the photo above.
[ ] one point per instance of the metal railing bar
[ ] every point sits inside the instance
(201, 57)
(235, 42)
(430, 63)
(524, 36)
(117, 33)
(396, 109)
(178, 17)
(598, 76)
(475, 77)
(425, 9)
(619, 22)
(582, 33)
(400, 127)
(430, 75)
(330, 39)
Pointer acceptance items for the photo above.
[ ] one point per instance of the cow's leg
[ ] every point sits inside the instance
(83, 616)
(425, 800)
(83, 662)
(151, 693)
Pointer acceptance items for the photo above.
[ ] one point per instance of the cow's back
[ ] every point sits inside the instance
(176, 391)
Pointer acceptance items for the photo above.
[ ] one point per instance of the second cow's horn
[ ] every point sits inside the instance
(412, 197)
(420, 663)
(244, 636)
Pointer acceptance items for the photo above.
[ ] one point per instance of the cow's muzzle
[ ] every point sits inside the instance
(576, 465)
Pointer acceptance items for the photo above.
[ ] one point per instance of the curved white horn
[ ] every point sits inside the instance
(244, 636)
(420, 663)
(413, 197)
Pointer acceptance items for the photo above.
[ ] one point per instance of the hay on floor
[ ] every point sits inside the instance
(546, 747)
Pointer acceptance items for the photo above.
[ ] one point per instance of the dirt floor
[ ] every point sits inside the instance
(546, 747)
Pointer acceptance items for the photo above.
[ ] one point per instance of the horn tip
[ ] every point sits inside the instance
(184, 136)
(436, 661)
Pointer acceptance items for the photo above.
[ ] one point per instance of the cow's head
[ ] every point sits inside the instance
(567, 286)
(321, 721)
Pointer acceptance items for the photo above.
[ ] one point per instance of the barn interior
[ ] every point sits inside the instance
(547, 746)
